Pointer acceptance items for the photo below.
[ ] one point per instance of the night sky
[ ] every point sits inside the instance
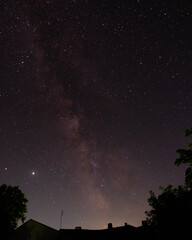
(95, 98)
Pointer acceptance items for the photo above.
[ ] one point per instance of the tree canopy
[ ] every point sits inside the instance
(185, 157)
(13, 207)
(171, 211)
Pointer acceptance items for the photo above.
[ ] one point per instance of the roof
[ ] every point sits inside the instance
(86, 234)
(34, 222)
(33, 230)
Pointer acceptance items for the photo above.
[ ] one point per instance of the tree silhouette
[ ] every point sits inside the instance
(171, 212)
(12, 208)
(185, 156)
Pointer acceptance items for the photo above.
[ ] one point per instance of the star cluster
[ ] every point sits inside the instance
(95, 97)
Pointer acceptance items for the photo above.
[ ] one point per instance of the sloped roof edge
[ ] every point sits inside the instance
(36, 222)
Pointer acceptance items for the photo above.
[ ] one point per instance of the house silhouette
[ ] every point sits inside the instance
(33, 230)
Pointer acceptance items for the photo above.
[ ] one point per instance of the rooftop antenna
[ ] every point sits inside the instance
(61, 219)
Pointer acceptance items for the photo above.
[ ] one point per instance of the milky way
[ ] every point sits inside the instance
(95, 98)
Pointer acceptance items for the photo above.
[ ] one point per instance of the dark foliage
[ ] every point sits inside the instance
(13, 206)
(171, 212)
(185, 156)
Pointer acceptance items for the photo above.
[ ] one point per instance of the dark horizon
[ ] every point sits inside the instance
(77, 228)
(95, 99)
(32, 228)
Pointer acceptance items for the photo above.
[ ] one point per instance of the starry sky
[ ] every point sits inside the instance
(95, 98)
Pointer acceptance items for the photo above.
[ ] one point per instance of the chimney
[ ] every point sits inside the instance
(110, 226)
